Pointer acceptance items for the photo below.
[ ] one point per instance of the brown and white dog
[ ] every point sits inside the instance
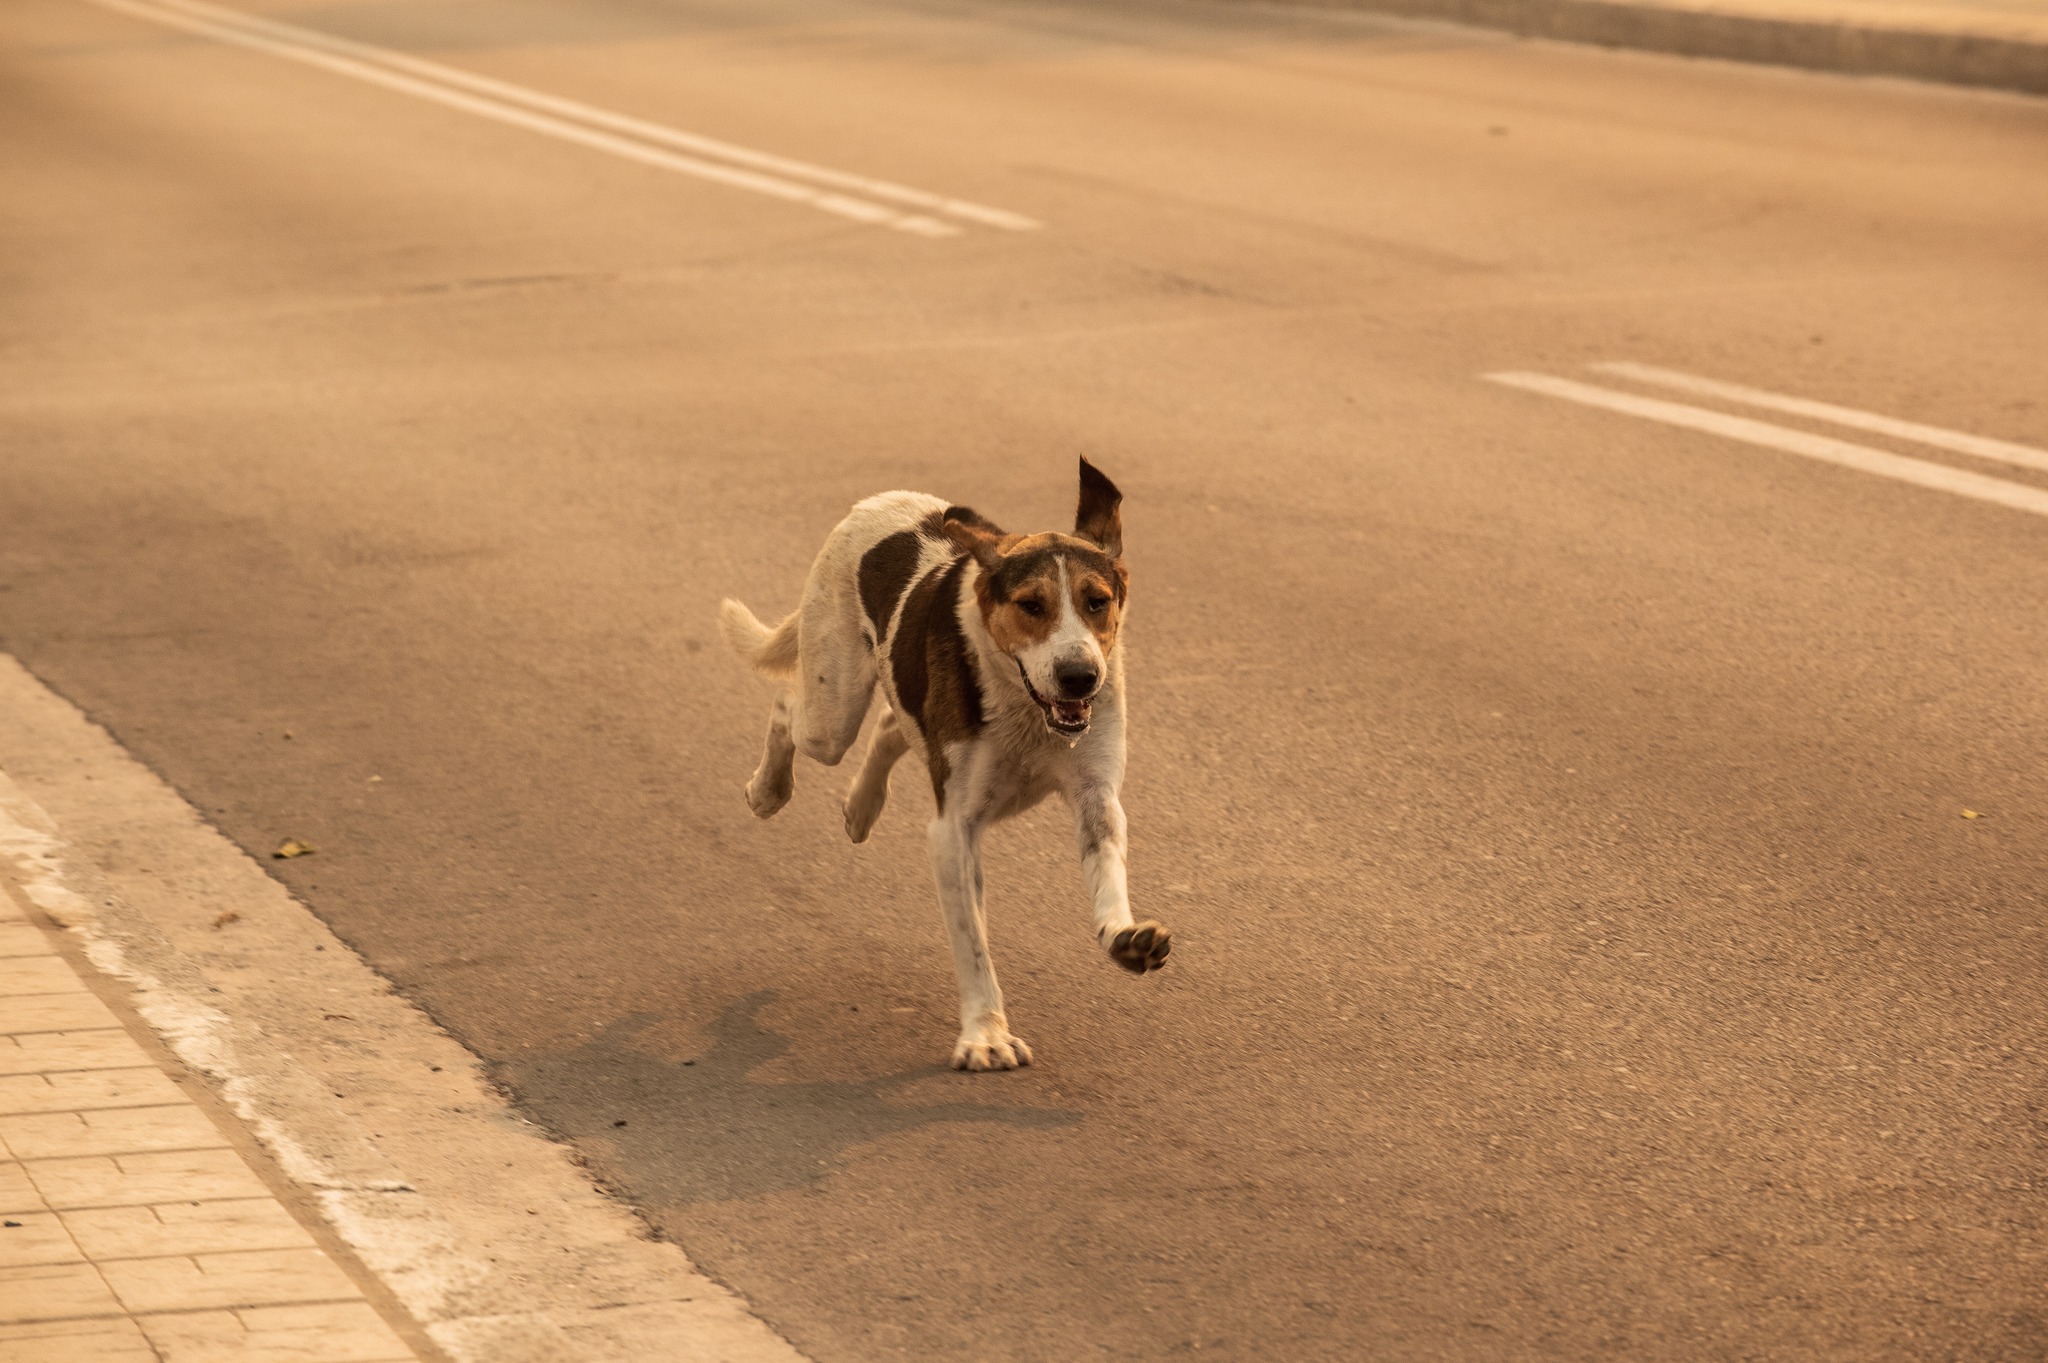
(999, 663)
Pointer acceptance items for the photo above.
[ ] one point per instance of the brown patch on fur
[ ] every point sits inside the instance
(1021, 567)
(1024, 568)
(934, 524)
(1088, 584)
(933, 670)
(972, 535)
(885, 571)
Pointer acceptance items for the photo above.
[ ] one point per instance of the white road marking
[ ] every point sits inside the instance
(842, 205)
(325, 54)
(1919, 472)
(622, 123)
(1983, 447)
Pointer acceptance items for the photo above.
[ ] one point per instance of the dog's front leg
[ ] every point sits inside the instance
(1099, 831)
(986, 1042)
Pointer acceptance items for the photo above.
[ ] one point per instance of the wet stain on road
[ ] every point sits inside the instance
(706, 1130)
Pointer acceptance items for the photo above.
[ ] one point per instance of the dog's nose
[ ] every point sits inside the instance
(1077, 680)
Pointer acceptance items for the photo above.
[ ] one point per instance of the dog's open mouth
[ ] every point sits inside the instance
(1067, 717)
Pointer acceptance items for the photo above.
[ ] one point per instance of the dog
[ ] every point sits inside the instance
(1000, 662)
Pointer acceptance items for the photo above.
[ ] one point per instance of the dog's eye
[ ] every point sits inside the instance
(1097, 604)
(1031, 606)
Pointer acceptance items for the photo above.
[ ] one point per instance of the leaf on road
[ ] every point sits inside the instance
(292, 847)
(1972, 814)
(225, 917)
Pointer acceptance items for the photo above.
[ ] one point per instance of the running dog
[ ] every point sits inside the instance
(999, 661)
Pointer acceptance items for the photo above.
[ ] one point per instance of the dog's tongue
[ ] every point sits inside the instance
(1071, 713)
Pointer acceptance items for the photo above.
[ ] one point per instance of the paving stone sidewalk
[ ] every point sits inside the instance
(131, 1229)
(1997, 43)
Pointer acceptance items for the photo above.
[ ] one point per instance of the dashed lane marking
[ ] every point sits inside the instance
(1827, 449)
(1983, 447)
(633, 139)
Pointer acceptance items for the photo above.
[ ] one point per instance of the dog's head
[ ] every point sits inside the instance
(1053, 602)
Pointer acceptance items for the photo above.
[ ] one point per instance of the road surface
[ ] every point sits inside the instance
(1582, 949)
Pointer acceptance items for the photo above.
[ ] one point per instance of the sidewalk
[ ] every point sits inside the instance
(130, 1226)
(1996, 43)
(225, 1139)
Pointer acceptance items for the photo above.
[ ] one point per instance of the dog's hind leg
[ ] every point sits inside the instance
(774, 780)
(985, 1039)
(838, 676)
(870, 789)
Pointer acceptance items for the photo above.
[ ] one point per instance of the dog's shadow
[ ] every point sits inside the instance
(705, 1130)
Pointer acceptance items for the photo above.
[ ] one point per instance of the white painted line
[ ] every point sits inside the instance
(488, 1234)
(1919, 472)
(1983, 447)
(84, 1145)
(622, 123)
(841, 205)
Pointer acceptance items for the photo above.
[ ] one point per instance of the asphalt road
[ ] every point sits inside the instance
(1581, 952)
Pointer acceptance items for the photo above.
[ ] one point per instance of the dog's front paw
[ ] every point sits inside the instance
(1141, 947)
(990, 1046)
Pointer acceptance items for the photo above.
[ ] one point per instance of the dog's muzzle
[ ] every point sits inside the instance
(1068, 718)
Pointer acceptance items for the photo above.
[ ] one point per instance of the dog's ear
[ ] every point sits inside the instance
(1099, 517)
(975, 534)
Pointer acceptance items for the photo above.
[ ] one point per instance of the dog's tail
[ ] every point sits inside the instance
(771, 652)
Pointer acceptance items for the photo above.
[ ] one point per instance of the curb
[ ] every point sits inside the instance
(141, 1221)
(1949, 57)
(483, 1235)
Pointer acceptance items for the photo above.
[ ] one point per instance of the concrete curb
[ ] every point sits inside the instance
(1951, 57)
(485, 1234)
(209, 1253)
